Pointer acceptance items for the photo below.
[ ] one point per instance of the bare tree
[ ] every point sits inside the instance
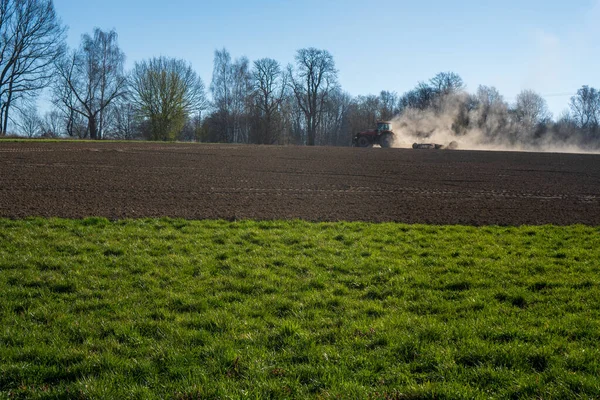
(31, 40)
(492, 112)
(122, 122)
(91, 79)
(531, 113)
(369, 111)
(585, 108)
(433, 95)
(293, 121)
(52, 125)
(221, 88)
(231, 89)
(420, 98)
(489, 96)
(241, 99)
(446, 83)
(566, 129)
(29, 122)
(531, 108)
(388, 104)
(166, 91)
(66, 103)
(76, 126)
(335, 125)
(268, 95)
(312, 82)
(192, 130)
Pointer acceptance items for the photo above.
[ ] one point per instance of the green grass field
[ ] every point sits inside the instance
(215, 309)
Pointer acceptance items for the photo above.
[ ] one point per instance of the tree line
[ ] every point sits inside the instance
(261, 102)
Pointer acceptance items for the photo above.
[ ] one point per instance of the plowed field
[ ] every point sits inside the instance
(132, 180)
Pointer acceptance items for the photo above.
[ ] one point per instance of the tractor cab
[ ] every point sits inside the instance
(383, 127)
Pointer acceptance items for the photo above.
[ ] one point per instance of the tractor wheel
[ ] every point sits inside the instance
(364, 141)
(386, 140)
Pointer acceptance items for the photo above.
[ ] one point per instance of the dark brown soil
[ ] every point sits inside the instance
(132, 180)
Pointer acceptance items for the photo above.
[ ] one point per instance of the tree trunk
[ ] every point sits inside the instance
(4, 126)
(6, 106)
(93, 128)
(312, 131)
(2, 131)
(101, 124)
(70, 124)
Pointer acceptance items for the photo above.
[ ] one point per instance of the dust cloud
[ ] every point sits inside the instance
(490, 127)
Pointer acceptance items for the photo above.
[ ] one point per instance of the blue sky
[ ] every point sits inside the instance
(552, 47)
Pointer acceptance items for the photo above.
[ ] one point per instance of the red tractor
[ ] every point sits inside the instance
(382, 136)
